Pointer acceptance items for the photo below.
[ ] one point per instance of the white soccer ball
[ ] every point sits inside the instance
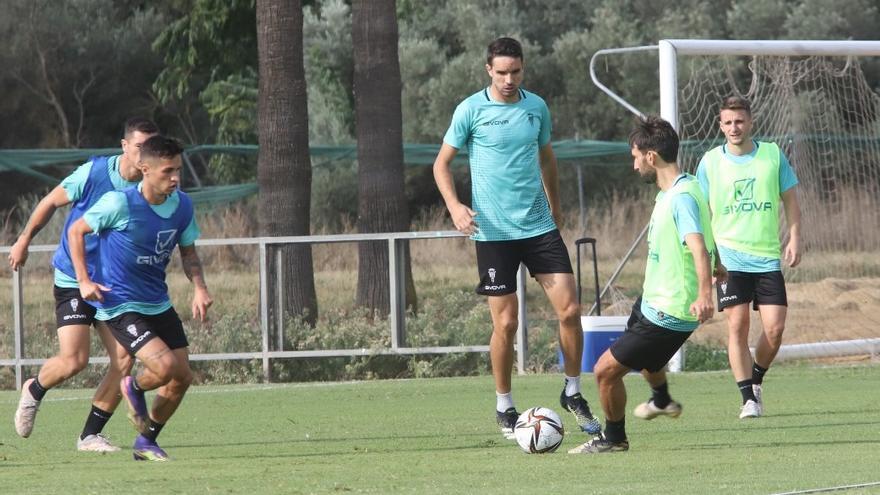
(539, 431)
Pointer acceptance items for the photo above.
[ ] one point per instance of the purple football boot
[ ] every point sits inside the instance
(137, 405)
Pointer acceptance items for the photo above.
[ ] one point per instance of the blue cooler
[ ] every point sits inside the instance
(599, 333)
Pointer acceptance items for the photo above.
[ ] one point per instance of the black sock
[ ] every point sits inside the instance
(95, 422)
(758, 373)
(615, 431)
(745, 388)
(135, 386)
(660, 396)
(153, 430)
(37, 391)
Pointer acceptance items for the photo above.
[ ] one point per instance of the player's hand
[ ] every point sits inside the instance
(703, 308)
(200, 304)
(720, 272)
(90, 291)
(18, 255)
(463, 218)
(793, 252)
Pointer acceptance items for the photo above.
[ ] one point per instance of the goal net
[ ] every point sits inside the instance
(825, 115)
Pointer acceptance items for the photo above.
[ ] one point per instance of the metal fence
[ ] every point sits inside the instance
(396, 320)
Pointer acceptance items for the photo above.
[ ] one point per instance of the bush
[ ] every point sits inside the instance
(701, 357)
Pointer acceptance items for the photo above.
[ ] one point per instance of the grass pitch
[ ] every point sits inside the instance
(822, 429)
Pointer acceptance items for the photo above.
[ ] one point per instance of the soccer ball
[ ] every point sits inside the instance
(539, 431)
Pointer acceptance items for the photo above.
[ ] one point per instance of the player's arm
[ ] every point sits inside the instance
(88, 289)
(462, 216)
(41, 215)
(550, 177)
(793, 219)
(703, 308)
(192, 267)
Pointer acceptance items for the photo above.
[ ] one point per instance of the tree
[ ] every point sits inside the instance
(381, 199)
(284, 169)
(81, 66)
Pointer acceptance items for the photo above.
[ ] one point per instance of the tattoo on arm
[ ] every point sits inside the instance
(192, 265)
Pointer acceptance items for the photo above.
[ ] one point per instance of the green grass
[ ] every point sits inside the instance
(438, 436)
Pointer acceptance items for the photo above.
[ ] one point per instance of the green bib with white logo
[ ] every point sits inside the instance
(744, 199)
(671, 276)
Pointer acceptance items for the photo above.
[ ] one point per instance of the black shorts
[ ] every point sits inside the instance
(71, 308)
(498, 261)
(645, 345)
(134, 330)
(757, 288)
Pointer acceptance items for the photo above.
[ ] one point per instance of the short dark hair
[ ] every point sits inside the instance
(160, 146)
(652, 133)
(736, 103)
(140, 124)
(504, 47)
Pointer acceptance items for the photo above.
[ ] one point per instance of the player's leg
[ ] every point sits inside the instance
(72, 356)
(772, 302)
(734, 298)
(612, 395)
(504, 313)
(547, 260)
(169, 396)
(497, 264)
(107, 395)
(158, 362)
(660, 403)
(560, 290)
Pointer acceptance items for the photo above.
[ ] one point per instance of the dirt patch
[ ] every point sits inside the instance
(832, 309)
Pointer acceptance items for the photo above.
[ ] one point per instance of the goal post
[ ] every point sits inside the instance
(813, 99)
(669, 50)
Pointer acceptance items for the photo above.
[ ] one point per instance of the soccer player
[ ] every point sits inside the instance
(139, 228)
(514, 218)
(677, 292)
(744, 180)
(73, 317)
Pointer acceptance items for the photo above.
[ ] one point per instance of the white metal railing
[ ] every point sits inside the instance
(396, 320)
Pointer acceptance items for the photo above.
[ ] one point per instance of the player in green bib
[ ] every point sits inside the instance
(513, 218)
(744, 181)
(676, 295)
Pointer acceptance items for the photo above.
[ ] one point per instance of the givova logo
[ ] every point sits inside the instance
(744, 199)
(744, 189)
(164, 244)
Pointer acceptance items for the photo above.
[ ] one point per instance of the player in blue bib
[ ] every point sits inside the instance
(513, 219)
(139, 229)
(73, 316)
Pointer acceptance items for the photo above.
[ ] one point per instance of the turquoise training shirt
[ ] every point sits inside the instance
(732, 259)
(503, 140)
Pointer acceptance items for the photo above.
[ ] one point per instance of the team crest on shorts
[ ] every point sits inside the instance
(132, 330)
(492, 275)
(724, 287)
(74, 303)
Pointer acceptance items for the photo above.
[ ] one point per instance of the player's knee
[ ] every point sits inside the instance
(570, 316)
(74, 364)
(505, 326)
(183, 378)
(774, 333)
(604, 368)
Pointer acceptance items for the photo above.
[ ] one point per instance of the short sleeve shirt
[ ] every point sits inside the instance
(503, 142)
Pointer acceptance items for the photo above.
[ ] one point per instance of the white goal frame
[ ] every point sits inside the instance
(669, 51)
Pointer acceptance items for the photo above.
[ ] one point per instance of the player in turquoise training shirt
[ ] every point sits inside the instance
(514, 218)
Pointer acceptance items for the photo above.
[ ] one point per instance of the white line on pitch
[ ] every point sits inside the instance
(831, 488)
